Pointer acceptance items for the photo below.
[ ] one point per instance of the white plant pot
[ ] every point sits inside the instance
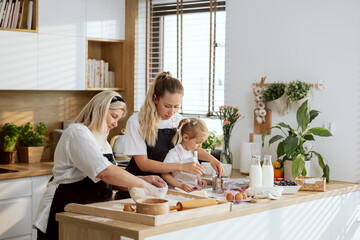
(281, 105)
(208, 168)
(227, 169)
(301, 101)
(288, 166)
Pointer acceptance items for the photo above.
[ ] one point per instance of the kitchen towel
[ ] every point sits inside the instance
(247, 149)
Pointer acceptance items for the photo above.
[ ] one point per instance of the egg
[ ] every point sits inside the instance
(128, 208)
(238, 197)
(244, 195)
(230, 197)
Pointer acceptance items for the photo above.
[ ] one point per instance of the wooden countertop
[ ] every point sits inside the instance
(26, 170)
(140, 231)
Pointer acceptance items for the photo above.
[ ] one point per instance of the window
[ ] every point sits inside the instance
(186, 38)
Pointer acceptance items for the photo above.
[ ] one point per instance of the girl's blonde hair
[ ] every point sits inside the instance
(94, 114)
(148, 116)
(193, 127)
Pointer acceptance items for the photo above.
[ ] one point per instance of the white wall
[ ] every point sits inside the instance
(310, 40)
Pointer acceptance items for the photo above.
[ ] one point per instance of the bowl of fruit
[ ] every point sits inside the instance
(289, 187)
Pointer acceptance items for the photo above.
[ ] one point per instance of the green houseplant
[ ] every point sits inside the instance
(291, 146)
(274, 96)
(9, 137)
(274, 91)
(211, 142)
(31, 142)
(297, 90)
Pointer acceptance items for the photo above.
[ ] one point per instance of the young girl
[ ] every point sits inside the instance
(191, 134)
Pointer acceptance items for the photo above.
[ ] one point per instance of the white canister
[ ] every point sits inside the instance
(248, 149)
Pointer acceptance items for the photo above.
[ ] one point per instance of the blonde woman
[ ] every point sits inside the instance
(149, 133)
(84, 168)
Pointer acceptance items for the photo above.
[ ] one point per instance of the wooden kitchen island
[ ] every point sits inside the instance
(334, 214)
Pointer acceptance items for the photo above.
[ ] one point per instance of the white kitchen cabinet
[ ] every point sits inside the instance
(323, 219)
(18, 61)
(66, 17)
(15, 207)
(105, 19)
(19, 201)
(38, 188)
(61, 62)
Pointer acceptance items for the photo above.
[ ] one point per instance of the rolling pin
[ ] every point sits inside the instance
(184, 205)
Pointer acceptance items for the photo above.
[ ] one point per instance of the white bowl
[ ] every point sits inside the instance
(138, 193)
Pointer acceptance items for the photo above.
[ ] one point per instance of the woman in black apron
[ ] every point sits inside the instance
(84, 167)
(149, 133)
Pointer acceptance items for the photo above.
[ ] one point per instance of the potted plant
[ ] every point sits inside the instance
(275, 93)
(209, 143)
(297, 91)
(293, 142)
(9, 137)
(31, 142)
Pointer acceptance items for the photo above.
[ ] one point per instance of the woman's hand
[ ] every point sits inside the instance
(202, 183)
(154, 180)
(186, 188)
(192, 167)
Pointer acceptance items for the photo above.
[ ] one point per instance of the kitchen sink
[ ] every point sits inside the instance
(4, 170)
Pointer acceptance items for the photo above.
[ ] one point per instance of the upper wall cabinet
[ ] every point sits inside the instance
(18, 61)
(65, 17)
(61, 62)
(105, 19)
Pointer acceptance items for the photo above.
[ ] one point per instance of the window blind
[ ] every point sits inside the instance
(186, 38)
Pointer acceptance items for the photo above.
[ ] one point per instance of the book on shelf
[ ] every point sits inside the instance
(98, 74)
(102, 75)
(7, 16)
(4, 3)
(15, 14)
(24, 14)
(106, 73)
(30, 13)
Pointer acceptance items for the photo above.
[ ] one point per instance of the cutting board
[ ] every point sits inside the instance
(260, 128)
(114, 210)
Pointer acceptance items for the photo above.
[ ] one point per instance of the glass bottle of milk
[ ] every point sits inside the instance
(255, 174)
(267, 172)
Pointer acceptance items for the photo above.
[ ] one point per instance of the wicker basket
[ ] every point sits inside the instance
(317, 184)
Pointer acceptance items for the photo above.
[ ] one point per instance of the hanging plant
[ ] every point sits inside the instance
(297, 90)
(274, 91)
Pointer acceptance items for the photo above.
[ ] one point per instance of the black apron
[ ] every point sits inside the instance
(158, 152)
(82, 192)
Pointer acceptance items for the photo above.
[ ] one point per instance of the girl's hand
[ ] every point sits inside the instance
(186, 188)
(202, 183)
(217, 166)
(154, 180)
(193, 168)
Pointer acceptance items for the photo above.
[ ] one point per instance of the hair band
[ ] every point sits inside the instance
(117, 98)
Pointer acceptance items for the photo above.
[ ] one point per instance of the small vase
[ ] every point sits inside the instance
(226, 155)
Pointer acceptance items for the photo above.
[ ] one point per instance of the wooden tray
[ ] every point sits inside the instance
(114, 210)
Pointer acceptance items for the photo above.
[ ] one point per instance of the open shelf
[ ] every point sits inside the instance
(34, 21)
(110, 51)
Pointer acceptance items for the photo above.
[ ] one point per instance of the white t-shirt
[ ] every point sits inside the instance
(179, 155)
(134, 142)
(77, 156)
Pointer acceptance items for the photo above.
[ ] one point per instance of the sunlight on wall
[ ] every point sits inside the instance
(17, 117)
